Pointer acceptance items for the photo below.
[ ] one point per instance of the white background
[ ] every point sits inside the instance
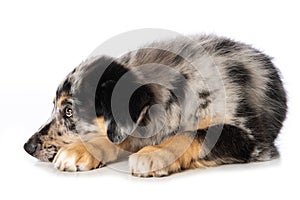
(41, 42)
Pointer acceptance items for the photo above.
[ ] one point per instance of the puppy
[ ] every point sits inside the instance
(177, 104)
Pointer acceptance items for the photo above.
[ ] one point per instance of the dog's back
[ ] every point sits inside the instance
(225, 82)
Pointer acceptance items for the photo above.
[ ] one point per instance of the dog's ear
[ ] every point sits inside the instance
(109, 77)
(129, 116)
(122, 100)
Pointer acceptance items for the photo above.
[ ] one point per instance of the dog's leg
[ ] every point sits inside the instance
(209, 147)
(171, 156)
(86, 155)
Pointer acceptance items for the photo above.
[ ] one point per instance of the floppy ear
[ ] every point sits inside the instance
(109, 77)
(125, 111)
(122, 125)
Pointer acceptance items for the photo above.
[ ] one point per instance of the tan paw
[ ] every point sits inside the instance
(76, 157)
(153, 161)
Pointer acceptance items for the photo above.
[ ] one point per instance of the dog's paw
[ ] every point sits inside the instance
(153, 161)
(76, 157)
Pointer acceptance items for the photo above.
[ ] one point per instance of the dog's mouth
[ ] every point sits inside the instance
(50, 159)
(45, 157)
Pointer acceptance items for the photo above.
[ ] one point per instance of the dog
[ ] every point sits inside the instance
(182, 103)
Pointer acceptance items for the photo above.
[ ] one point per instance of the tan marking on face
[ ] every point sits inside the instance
(61, 99)
(59, 141)
(53, 139)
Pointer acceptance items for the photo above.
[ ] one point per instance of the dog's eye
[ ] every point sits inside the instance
(68, 112)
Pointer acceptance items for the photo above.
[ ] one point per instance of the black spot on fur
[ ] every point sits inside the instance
(72, 127)
(45, 129)
(203, 94)
(69, 124)
(232, 145)
(225, 47)
(186, 76)
(50, 147)
(65, 88)
(59, 133)
(205, 104)
(74, 70)
(177, 60)
(238, 73)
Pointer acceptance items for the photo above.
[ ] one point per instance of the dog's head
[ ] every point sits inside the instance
(82, 107)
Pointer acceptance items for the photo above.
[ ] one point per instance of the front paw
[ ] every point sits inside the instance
(76, 157)
(153, 161)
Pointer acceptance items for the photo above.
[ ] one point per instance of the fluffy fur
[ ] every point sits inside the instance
(176, 104)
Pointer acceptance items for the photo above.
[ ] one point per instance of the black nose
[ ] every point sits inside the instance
(30, 147)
